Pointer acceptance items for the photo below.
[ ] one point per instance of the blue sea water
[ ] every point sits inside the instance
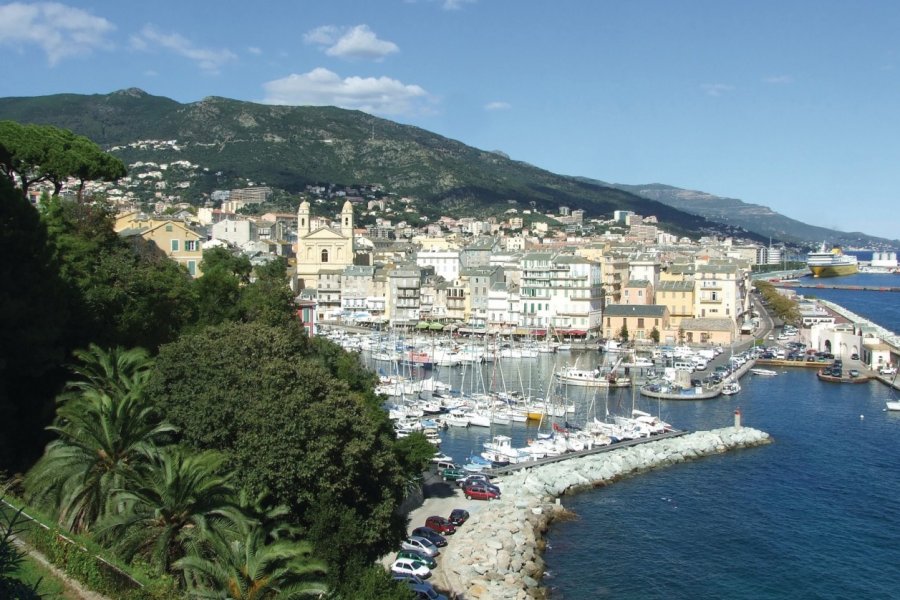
(816, 514)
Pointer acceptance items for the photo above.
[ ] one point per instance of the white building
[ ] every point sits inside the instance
(235, 231)
(445, 262)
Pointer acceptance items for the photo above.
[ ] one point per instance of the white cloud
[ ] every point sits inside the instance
(716, 89)
(779, 79)
(355, 42)
(321, 87)
(497, 106)
(208, 59)
(60, 31)
(254, 50)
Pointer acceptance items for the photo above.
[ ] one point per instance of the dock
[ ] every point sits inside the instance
(512, 468)
(793, 283)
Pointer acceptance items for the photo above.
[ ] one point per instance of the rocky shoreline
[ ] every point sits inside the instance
(497, 554)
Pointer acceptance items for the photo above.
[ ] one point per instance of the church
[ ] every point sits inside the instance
(325, 250)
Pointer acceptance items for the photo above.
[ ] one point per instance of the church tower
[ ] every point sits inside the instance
(347, 221)
(303, 218)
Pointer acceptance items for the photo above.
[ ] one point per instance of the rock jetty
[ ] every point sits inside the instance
(497, 553)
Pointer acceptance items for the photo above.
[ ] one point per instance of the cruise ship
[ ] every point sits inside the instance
(831, 263)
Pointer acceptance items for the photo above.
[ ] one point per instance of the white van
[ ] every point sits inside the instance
(684, 365)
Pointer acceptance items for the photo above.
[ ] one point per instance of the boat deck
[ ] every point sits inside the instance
(595, 450)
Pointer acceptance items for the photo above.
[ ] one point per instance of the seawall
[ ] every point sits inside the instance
(497, 553)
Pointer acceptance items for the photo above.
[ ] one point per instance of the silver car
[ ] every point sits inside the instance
(420, 544)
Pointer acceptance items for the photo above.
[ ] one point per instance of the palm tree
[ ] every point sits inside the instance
(170, 504)
(249, 568)
(105, 429)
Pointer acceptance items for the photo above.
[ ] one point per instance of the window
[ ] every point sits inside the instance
(640, 323)
(191, 245)
(324, 256)
(169, 227)
(174, 245)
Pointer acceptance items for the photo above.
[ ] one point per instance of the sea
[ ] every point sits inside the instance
(816, 514)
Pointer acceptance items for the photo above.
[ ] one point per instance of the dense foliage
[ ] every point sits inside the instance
(34, 314)
(298, 419)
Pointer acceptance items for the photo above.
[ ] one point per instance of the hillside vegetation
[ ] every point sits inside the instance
(290, 147)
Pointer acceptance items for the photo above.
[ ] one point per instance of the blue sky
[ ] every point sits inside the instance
(791, 104)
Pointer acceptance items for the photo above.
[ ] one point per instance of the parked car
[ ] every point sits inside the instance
(420, 544)
(468, 481)
(478, 491)
(854, 373)
(425, 593)
(411, 567)
(428, 561)
(453, 474)
(431, 535)
(459, 516)
(473, 478)
(887, 370)
(441, 525)
(854, 356)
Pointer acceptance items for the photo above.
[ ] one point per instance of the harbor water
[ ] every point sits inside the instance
(814, 515)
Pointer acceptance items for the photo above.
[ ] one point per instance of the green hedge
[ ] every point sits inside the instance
(83, 565)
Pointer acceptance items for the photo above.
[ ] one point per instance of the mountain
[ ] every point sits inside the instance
(752, 217)
(290, 147)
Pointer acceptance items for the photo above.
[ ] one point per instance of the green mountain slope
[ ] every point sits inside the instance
(290, 147)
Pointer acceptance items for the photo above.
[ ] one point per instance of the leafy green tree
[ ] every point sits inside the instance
(249, 567)
(169, 504)
(120, 292)
(290, 426)
(269, 298)
(105, 429)
(219, 288)
(33, 153)
(623, 333)
(33, 316)
(368, 581)
(654, 335)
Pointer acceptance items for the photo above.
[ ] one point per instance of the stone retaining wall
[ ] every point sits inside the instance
(497, 553)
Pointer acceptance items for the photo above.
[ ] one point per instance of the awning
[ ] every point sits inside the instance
(571, 331)
(422, 325)
(436, 326)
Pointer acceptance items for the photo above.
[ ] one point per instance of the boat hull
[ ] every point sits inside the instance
(834, 270)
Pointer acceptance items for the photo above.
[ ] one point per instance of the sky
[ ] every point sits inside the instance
(792, 104)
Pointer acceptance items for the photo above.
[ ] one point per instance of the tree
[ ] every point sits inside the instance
(120, 292)
(654, 335)
(623, 333)
(105, 430)
(272, 402)
(33, 153)
(269, 299)
(171, 503)
(219, 288)
(34, 312)
(249, 567)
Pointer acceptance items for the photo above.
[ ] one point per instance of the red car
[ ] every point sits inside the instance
(441, 525)
(479, 492)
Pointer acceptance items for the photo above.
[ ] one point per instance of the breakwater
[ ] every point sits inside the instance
(497, 553)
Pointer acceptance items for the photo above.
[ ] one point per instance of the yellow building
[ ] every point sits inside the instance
(175, 239)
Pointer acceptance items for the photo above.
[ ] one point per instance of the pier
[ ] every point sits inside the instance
(794, 283)
(512, 468)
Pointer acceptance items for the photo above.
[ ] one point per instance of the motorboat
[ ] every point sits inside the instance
(765, 372)
(731, 387)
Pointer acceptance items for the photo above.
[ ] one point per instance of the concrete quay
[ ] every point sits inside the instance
(497, 553)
